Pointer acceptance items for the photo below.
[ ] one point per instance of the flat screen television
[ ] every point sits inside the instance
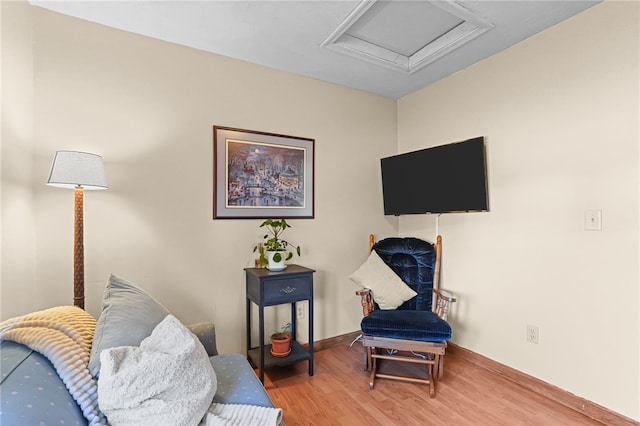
(442, 179)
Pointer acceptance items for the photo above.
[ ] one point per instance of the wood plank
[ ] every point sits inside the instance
(473, 391)
(547, 390)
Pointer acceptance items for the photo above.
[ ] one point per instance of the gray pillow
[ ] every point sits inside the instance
(206, 333)
(128, 316)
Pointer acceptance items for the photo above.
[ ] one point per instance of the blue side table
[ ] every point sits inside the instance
(270, 288)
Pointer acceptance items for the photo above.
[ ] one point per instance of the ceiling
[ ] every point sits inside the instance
(389, 48)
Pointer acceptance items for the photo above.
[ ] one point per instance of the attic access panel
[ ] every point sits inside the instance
(405, 35)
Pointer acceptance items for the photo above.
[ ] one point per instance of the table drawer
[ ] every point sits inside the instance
(284, 290)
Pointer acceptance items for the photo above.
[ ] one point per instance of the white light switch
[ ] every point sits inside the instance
(593, 220)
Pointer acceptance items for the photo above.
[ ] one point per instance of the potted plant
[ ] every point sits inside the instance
(281, 342)
(274, 251)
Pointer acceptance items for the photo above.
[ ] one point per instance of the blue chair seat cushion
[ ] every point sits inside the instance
(409, 325)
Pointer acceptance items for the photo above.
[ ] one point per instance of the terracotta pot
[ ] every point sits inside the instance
(280, 344)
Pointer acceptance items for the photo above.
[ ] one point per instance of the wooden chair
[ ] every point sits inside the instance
(419, 325)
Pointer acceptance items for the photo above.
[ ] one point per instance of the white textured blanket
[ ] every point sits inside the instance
(167, 380)
(241, 415)
(63, 335)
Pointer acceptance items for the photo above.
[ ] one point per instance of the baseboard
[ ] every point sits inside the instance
(342, 339)
(581, 405)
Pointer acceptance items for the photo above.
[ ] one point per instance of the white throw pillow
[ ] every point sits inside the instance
(388, 290)
(168, 379)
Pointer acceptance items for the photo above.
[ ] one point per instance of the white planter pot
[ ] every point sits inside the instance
(273, 265)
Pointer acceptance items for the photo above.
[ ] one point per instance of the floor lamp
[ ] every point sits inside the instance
(79, 171)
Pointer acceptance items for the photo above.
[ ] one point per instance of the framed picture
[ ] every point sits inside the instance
(261, 175)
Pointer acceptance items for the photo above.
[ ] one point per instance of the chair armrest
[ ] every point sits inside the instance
(443, 301)
(366, 300)
(206, 332)
(446, 295)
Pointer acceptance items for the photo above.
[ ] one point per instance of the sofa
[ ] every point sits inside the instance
(106, 371)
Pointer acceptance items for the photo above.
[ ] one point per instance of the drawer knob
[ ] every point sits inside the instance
(288, 290)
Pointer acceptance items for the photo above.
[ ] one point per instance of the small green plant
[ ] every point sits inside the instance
(274, 242)
(284, 333)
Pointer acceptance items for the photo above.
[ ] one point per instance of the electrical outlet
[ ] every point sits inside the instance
(533, 334)
(300, 311)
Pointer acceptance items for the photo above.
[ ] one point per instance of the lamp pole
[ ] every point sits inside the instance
(78, 248)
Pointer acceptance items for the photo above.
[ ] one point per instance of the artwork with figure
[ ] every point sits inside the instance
(262, 175)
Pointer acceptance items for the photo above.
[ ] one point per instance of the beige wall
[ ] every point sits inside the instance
(17, 201)
(560, 115)
(148, 108)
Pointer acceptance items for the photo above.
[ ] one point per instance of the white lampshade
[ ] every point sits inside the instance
(71, 169)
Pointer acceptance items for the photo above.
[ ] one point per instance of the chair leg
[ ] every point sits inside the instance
(432, 372)
(373, 365)
(440, 366)
(367, 358)
(436, 367)
(432, 389)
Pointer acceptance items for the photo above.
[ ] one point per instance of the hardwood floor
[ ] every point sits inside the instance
(338, 394)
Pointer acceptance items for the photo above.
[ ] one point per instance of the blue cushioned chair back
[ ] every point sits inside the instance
(414, 261)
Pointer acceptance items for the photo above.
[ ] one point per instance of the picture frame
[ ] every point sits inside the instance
(260, 175)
